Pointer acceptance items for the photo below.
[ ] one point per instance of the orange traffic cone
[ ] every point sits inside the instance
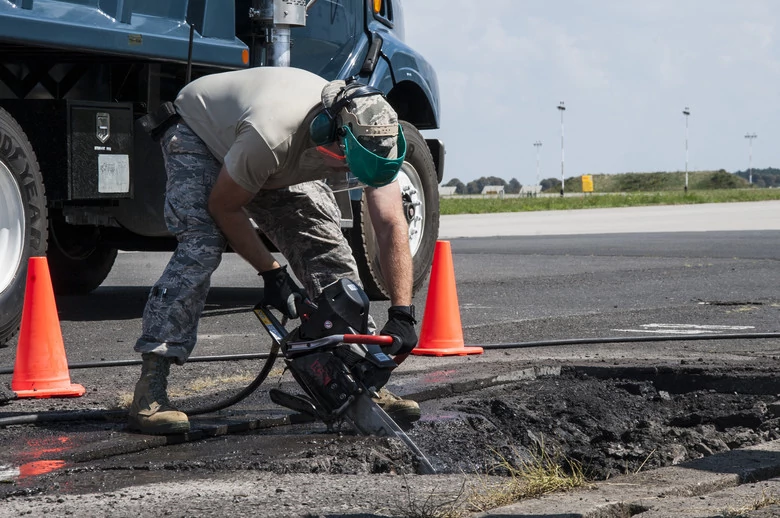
(442, 333)
(41, 368)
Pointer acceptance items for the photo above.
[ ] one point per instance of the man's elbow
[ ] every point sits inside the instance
(215, 209)
(211, 208)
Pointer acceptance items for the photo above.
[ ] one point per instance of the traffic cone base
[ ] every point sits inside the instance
(448, 351)
(41, 368)
(72, 390)
(442, 332)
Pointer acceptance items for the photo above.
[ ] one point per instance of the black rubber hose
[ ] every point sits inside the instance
(516, 345)
(92, 415)
(627, 339)
(130, 363)
(48, 417)
(269, 363)
(271, 358)
(113, 415)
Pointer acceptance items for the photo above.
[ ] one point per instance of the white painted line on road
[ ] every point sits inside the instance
(667, 331)
(695, 326)
(684, 329)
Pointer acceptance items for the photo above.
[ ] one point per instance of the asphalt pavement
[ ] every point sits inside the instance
(707, 217)
(576, 269)
(737, 480)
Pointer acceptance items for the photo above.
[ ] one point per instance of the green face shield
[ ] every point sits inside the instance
(373, 170)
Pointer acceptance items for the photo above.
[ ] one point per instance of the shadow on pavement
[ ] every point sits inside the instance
(742, 463)
(127, 302)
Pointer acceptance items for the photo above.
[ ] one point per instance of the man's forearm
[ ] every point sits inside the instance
(244, 240)
(397, 265)
(226, 203)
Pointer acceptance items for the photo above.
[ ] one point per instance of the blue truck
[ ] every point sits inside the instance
(79, 178)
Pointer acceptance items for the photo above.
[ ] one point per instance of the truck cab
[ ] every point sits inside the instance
(79, 178)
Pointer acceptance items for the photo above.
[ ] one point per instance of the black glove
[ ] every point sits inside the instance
(400, 326)
(280, 291)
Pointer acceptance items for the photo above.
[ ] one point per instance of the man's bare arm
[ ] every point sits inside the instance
(226, 206)
(386, 209)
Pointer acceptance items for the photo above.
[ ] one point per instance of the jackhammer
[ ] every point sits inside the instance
(338, 364)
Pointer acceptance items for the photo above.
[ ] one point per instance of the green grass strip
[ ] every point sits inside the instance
(485, 205)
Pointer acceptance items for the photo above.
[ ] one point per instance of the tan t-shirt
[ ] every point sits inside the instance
(251, 119)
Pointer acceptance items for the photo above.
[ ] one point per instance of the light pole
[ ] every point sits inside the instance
(562, 109)
(686, 112)
(537, 145)
(750, 137)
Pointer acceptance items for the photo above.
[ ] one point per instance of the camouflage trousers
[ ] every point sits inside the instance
(303, 221)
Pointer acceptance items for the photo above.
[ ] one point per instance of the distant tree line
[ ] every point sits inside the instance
(769, 177)
(627, 182)
(476, 186)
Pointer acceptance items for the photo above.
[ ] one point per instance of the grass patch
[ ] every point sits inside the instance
(542, 474)
(201, 384)
(760, 503)
(204, 384)
(480, 205)
(434, 505)
(123, 401)
(198, 385)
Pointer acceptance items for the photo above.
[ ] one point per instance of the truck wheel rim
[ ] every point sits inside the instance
(11, 227)
(414, 204)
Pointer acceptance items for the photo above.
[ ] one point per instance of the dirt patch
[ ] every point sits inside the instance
(611, 427)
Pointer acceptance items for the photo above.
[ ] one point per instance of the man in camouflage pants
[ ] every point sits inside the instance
(236, 152)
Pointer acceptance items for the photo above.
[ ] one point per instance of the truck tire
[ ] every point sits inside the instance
(78, 261)
(23, 231)
(419, 189)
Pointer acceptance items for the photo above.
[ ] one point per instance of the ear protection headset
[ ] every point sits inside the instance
(325, 129)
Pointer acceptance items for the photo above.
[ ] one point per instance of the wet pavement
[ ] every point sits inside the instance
(251, 457)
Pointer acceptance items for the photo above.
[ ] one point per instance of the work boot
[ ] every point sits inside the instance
(151, 411)
(400, 410)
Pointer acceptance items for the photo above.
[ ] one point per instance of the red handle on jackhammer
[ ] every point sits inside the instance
(369, 339)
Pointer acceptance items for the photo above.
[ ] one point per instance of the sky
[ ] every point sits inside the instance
(625, 71)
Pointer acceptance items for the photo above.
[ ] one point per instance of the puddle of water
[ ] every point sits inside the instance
(39, 467)
(37, 448)
(31, 457)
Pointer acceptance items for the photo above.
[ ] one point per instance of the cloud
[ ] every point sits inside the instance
(625, 71)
